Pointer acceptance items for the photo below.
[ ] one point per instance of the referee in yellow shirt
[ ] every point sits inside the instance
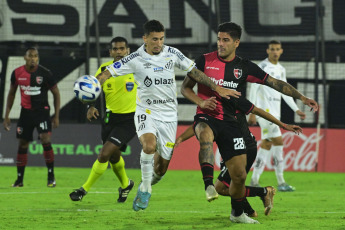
(117, 127)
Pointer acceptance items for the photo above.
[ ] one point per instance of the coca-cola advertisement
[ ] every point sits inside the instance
(311, 150)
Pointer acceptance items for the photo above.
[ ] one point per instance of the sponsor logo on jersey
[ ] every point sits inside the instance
(30, 90)
(163, 81)
(148, 101)
(39, 80)
(178, 54)
(160, 101)
(229, 84)
(128, 58)
(158, 81)
(169, 65)
(22, 79)
(117, 65)
(129, 86)
(211, 67)
(158, 69)
(147, 65)
(148, 81)
(238, 73)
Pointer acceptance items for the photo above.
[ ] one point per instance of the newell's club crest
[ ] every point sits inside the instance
(238, 73)
(39, 80)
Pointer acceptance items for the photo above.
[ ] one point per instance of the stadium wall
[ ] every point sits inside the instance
(77, 145)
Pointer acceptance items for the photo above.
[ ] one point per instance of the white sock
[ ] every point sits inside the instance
(278, 163)
(259, 164)
(155, 178)
(146, 161)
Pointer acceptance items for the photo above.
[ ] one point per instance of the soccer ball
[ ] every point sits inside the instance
(87, 89)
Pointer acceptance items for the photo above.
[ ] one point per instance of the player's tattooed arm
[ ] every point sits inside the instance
(202, 78)
(103, 76)
(283, 87)
(289, 90)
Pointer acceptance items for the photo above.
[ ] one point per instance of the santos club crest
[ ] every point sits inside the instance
(238, 73)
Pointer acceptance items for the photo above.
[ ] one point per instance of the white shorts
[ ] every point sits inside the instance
(165, 132)
(268, 129)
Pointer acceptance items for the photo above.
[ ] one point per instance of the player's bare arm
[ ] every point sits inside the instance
(56, 95)
(188, 133)
(92, 113)
(187, 91)
(289, 90)
(102, 77)
(293, 128)
(202, 78)
(10, 100)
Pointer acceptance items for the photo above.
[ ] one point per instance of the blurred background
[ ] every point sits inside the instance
(73, 39)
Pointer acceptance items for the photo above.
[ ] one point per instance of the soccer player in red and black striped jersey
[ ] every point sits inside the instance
(229, 71)
(34, 82)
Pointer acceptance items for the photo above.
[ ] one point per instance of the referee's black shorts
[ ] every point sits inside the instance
(119, 129)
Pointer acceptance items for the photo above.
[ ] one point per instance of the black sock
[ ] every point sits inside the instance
(207, 173)
(20, 173)
(255, 191)
(50, 167)
(247, 208)
(237, 206)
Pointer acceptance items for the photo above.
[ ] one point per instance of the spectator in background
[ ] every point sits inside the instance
(34, 82)
(270, 100)
(117, 126)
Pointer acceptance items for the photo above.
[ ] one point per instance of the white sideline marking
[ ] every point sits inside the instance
(123, 210)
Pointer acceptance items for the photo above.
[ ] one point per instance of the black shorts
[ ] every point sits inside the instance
(119, 129)
(227, 135)
(224, 175)
(31, 119)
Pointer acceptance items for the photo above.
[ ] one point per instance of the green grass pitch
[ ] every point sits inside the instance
(177, 202)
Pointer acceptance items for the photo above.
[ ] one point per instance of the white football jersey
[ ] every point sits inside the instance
(267, 98)
(155, 76)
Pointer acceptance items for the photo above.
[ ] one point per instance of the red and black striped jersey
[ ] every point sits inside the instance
(33, 86)
(228, 74)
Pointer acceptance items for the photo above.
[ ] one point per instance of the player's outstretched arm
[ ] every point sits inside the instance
(188, 133)
(293, 128)
(102, 77)
(202, 78)
(289, 90)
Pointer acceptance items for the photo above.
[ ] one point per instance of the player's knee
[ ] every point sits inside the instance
(221, 188)
(239, 177)
(149, 148)
(205, 137)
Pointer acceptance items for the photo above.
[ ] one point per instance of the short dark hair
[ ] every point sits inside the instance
(233, 29)
(119, 39)
(274, 42)
(153, 26)
(31, 48)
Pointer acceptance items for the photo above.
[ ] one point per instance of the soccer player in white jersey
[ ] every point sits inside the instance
(156, 115)
(270, 100)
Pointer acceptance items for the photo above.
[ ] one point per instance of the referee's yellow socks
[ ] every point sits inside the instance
(120, 172)
(97, 170)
